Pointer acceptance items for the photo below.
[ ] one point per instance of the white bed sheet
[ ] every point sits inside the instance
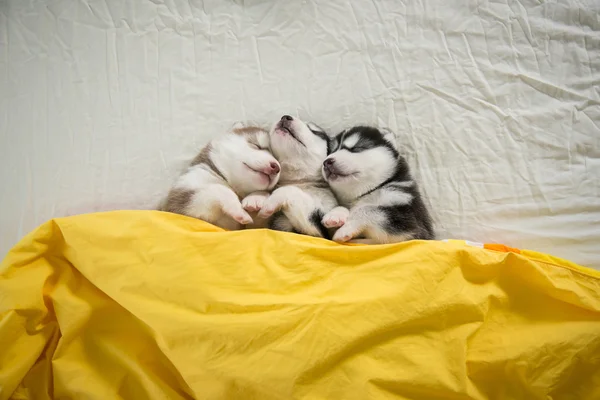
(497, 103)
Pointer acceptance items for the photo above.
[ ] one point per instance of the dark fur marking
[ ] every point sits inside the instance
(177, 201)
(204, 158)
(315, 218)
(411, 217)
(280, 222)
(248, 130)
(369, 138)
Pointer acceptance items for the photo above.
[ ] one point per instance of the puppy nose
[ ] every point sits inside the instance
(274, 168)
(287, 118)
(328, 162)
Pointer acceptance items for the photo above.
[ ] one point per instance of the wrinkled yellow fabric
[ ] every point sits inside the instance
(149, 305)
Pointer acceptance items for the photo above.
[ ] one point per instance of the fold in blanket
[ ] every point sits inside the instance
(150, 305)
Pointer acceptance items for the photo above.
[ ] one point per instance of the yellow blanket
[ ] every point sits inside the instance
(149, 305)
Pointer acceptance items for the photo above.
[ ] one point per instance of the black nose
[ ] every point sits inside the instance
(287, 118)
(328, 162)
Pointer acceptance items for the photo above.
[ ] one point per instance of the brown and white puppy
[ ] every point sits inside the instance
(231, 167)
(302, 197)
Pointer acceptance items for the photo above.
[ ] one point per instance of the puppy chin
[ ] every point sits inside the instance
(256, 183)
(284, 141)
(263, 181)
(336, 175)
(335, 178)
(274, 181)
(328, 175)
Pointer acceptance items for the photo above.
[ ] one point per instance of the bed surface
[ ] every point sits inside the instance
(496, 104)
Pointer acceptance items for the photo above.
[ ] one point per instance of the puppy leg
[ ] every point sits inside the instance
(359, 220)
(215, 199)
(372, 224)
(298, 206)
(254, 202)
(279, 199)
(348, 231)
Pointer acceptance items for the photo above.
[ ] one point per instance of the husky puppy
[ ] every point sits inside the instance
(302, 197)
(232, 166)
(371, 180)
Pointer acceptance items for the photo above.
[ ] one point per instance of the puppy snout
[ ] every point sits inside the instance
(328, 163)
(274, 168)
(287, 118)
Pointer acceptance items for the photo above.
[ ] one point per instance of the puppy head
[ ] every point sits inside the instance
(244, 159)
(363, 158)
(300, 147)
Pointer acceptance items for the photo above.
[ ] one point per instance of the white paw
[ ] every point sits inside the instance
(254, 202)
(335, 218)
(267, 211)
(344, 234)
(270, 207)
(240, 216)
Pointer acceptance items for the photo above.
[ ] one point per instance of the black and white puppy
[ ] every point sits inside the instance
(302, 197)
(380, 201)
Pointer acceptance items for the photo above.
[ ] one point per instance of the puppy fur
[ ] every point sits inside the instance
(235, 165)
(380, 201)
(302, 197)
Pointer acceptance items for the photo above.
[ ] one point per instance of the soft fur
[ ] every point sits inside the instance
(302, 197)
(235, 165)
(380, 202)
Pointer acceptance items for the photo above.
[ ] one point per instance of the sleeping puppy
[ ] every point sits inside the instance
(371, 180)
(302, 197)
(230, 167)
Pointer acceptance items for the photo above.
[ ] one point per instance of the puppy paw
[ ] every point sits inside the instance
(254, 202)
(241, 216)
(243, 219)
(267, 211)
(344, 234)
(270, 207)
(335, 218)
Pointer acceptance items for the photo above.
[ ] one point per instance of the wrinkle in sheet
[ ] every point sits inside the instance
(448, 97)
(513, 70)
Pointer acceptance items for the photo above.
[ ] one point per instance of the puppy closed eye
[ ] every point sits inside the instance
(356, 149)
(257, 147)
(359, 145)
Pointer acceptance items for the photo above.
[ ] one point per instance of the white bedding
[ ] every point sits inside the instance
(497, 103)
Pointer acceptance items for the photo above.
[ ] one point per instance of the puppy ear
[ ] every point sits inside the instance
(334, 142)
(317, 130)
(314, 127)
(237, 125)
(390, 137)
(332, 145)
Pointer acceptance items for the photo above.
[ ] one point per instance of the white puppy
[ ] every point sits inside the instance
(381, 201)
(230, 167)
(302, 197)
